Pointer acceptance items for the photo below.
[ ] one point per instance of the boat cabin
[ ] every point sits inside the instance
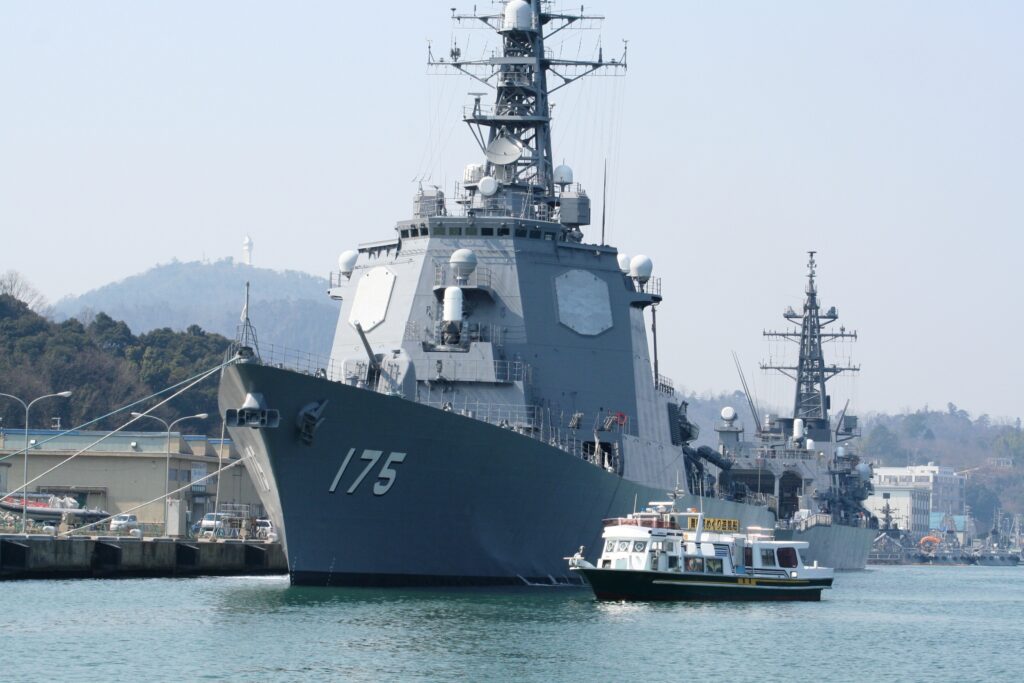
(662, 540)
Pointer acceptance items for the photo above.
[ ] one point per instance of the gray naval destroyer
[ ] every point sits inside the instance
(490, 395)
(805, 468)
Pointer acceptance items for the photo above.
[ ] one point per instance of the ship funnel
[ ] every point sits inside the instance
(347, 262)
(462, 263)
(641, 267)
(623, 262)
(798, 429)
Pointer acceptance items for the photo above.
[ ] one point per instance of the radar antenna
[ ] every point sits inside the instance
(515, 133)
(811, 373)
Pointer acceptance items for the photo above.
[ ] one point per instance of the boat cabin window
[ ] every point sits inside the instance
(520, 232)
(502, 232)
(788, 558)
(470, 231)
(623, 546)
(639, 546)
(487, 232)
(767, 557)
(713, 565)
(694, 564)
(609, 546)
(748, 556)
(673, 561)
(535, 234)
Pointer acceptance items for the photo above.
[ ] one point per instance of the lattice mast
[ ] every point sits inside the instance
(811, 372)
(515, 133)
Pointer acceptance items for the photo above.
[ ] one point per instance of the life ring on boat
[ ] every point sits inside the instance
(930, 540)
(620, 419)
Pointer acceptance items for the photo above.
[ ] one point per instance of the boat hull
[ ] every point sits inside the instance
(462, 502)
(624, 584)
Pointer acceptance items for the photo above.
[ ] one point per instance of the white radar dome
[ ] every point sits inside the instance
(518, 16)
(347, 262)
(563, 175)
(623, 260)
(488, 186)
(864, 470)
(641, 267)
(463, 263)
(841, 452)
(728, 413)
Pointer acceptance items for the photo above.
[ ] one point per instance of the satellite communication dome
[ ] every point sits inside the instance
(841, 452)
(728, 413)
(488, 186)
(347, 262)
(463, 263)
(641, 267)
(563, 175)
(623, 262)
(518, 16)
(864, 470)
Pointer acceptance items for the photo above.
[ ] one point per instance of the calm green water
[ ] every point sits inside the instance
(896, 623)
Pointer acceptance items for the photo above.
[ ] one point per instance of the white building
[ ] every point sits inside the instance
(908, 507)
(945, 487)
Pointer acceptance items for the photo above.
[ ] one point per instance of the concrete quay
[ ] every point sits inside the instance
(46, 557)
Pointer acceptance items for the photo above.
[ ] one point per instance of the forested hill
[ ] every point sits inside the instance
(288, 308)
(105, 365)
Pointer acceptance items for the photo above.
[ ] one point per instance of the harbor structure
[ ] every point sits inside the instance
(120, 471)
(946, 488)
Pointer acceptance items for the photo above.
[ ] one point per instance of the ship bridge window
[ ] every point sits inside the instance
(694, 564)
(520, 232)
(405, 233)
(639, 546)
(503, 232)
(623, 546)
(609, 546)
(470, 231)
(767, 557)
(487, 232)
(748, 556)
(549, 236)
(788, 558)
(535, 234)
(713, 565)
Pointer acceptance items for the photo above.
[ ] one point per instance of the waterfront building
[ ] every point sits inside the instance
(946, 488)
(904, 507)
(126, 469)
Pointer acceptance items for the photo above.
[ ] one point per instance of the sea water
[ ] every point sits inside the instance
(886, 623)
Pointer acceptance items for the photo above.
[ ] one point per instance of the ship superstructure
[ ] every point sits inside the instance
(490, 392)
(802, 467)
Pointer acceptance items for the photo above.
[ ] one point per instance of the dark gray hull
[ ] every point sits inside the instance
(835, 546)
(470, 503)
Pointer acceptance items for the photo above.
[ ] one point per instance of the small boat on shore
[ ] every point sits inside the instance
(661, 554)
(48, 508)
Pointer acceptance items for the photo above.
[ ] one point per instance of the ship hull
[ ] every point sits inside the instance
(836, 546)
(462, 502)
(619, 584)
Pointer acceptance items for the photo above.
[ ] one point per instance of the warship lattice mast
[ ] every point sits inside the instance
(811, 372)
(515, 133)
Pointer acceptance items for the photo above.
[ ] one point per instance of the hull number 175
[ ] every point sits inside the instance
(385, 477)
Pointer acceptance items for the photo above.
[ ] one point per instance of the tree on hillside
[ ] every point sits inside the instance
(14, 284)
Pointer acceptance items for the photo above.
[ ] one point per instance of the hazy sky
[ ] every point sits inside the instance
(885, 135)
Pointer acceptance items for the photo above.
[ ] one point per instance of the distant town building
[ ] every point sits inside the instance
(127, 469)
(905, 507)
(945, 487)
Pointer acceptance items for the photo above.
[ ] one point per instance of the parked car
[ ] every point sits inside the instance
(264, 528)
(213, 521)
(124, 523)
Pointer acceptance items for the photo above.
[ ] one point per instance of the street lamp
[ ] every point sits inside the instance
(24, 484)
(167, 465)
